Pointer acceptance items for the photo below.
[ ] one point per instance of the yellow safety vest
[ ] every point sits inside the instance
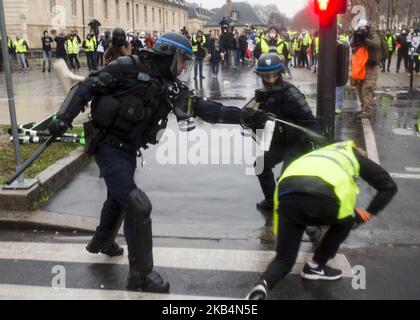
(265, 48)
(336, 165)
(343, 38)
(195, 48)
(90, 45)
(316, 45)
(390, 40)
(72, 47)
(288, 49)
(20, 47)
(307, 40)
(296, 45)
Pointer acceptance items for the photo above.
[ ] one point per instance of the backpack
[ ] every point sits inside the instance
(358, 67)
(384, 47)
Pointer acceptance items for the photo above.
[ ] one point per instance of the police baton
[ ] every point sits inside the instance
(30, 160)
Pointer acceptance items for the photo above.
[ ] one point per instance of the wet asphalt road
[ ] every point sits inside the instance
(223, 197)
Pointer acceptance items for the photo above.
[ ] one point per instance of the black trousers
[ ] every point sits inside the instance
(74, 61)
(296, 211)
(117, 167)
(264, 166)
(402, 55)
(389, 60)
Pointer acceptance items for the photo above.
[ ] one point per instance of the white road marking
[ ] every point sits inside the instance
(20, 292)
(405, 176)
(183, 258)
(409, 169)
(370, 141)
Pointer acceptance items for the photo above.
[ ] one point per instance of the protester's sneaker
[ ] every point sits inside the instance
(259, 292)
(321, 273)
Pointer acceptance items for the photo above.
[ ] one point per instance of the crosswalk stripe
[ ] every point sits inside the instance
(21, 292)
(183, 258)
(405, 176)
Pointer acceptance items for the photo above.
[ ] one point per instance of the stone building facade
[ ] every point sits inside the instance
(31, 17)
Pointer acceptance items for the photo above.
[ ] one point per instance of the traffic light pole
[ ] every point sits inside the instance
(327, 75)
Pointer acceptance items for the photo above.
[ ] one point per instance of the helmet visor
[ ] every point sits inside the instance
(182, 65)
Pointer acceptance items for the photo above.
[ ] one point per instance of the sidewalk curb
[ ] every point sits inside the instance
(49, 180)
(369, 136)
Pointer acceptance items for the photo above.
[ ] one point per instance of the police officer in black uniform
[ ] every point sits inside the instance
(287, 103)
(131, 100)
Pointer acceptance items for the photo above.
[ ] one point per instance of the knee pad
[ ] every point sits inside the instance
(139, 205)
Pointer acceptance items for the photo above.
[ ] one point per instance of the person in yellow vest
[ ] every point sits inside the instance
(320, 189)
(315, 48)
(306, 43)
(199, 42)
(72, 47)
(289, 56)
(296, 44)
(392, 45)
(272, 43)
(21, 48)
(89, 46)
(9, 53)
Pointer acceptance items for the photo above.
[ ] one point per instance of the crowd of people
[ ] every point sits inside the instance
(99, 50)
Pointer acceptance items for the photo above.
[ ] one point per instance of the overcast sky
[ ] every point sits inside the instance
(289, 7)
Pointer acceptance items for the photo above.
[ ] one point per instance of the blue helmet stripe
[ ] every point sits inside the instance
(175, 43)
(269, 67)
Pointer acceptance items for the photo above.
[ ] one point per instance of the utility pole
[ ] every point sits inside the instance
(327, 71)
(22, 183)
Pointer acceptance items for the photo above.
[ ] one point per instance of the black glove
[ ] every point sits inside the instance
(183, 105)
(255, 119)
(58, 127)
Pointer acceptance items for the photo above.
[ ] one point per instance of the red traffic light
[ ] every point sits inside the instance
(323, 7)
(328, 9)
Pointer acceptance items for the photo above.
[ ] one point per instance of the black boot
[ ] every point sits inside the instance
(96, 246)
(147, 282)
(266, 206)
(108, 247)
(140, 247)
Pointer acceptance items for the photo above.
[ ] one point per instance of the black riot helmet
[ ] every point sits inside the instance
(118, 37)
(270, 64)
(178, 49)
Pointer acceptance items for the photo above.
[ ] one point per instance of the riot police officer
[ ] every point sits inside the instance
(287, 103)
(132, 98)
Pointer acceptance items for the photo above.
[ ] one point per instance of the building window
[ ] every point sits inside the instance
(173, 18)
(153, 16)
(73, 7)
(167, 17)
(51, 6)
(235, 16)
(105, 4)
(91, 9)
(117, 9)
(127, 7)
(145, 15)
(137, 13)
(160, 16)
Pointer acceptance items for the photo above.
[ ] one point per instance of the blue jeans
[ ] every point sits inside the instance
(339, 97)
(22, 61)
(236, 57)
(46, 56)
(198, 64)
(215, 68)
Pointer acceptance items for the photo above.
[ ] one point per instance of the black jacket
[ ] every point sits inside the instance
(215, 50)
(371, 172)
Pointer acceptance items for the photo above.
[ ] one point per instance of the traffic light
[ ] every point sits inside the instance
(328, 9)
